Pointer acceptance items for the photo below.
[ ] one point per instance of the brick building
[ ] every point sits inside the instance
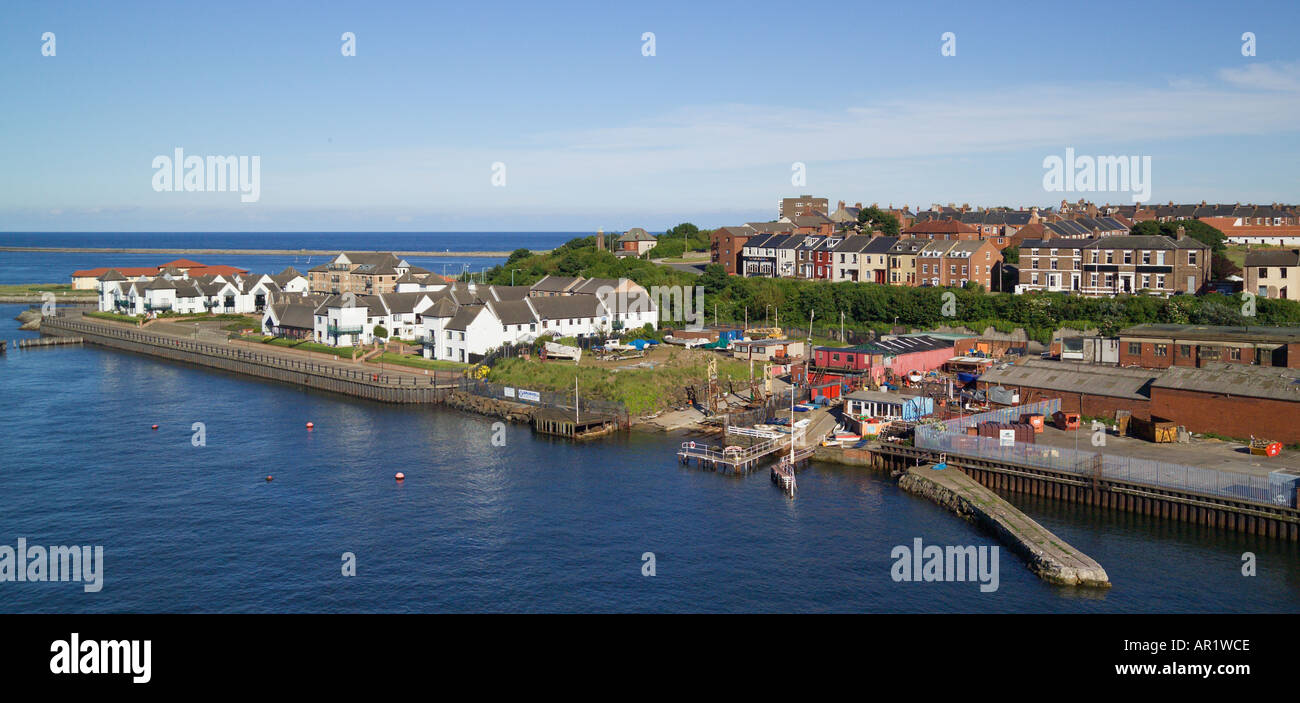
(727, 245)
(1273, 273)
(1162, 346)
(803, 205)
(1113, 265)
(366, 273)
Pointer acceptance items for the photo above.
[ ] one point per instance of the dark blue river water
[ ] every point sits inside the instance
(57, 267)
(536, 525)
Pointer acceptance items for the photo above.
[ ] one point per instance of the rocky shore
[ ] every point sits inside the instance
(30, 319)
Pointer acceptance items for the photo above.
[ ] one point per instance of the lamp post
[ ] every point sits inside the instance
(512, 276)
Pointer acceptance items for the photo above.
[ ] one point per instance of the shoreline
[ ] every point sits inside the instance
(252, 252)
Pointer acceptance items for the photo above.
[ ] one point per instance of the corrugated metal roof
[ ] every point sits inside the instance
(1074, 378)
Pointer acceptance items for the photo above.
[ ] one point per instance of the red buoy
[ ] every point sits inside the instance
(155, 427)
(311, 425)
(400, 476)
(268, 478)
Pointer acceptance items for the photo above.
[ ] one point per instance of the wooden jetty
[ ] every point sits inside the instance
(783, 470)
(47, 342)
(733, 458)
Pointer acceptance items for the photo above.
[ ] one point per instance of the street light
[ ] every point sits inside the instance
(512, 276)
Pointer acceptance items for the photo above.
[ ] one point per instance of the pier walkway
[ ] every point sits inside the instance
(1047, 555)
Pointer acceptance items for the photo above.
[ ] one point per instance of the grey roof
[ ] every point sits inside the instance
(564, 307)
(853, 243)
(880, 245)
(592, 285)
(1234, 379)
(297, 315)
(1067, 377)
(442, 307)
(771, 227)
(464, 317)
(401, 302)
(555, 284)
(908, 345)
(514, 312)
(1133, 241)
(879, 397)
(112, 275)
(908, 245)
(160, 283)
(1054, 244)
(1262, 257)
(636, 234)
(1221, 333)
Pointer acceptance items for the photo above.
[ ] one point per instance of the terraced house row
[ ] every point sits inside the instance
(1107, 266)
(464, 321)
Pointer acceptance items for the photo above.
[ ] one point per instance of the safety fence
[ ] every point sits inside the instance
(542, 398)
(950, 437)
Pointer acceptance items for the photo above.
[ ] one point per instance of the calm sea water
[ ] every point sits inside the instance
(538, 525)
(51, 267)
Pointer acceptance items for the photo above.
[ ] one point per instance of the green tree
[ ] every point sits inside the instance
(875, 218)
(714, 279)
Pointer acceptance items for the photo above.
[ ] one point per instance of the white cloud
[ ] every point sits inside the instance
(1279, 76)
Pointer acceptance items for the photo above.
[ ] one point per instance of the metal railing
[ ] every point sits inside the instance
(950, 437)
(333, 370)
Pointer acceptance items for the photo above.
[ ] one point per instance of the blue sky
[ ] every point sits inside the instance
(404, 135)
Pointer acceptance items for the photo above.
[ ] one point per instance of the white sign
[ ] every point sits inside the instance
(1006, 438)
(509, 392)
(533, 396)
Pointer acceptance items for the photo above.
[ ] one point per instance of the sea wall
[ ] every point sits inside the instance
(1047, 555)
(514, 412)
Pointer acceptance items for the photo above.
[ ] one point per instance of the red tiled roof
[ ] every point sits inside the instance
(194, 269)
(124, 270)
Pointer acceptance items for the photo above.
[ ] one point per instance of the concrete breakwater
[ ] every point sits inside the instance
(1047, 555)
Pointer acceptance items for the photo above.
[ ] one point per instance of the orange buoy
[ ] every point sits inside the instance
(268, 478)
(155, 427)
(400, 476)
(311, 425)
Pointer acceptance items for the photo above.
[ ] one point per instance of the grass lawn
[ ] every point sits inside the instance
(341, 352)
(59, 289)
(112, 316)
(418, 361)
(641, 390)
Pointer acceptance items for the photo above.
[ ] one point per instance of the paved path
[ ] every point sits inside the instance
(329, 360)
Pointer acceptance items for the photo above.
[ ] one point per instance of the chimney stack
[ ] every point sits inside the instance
(1182, 232)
